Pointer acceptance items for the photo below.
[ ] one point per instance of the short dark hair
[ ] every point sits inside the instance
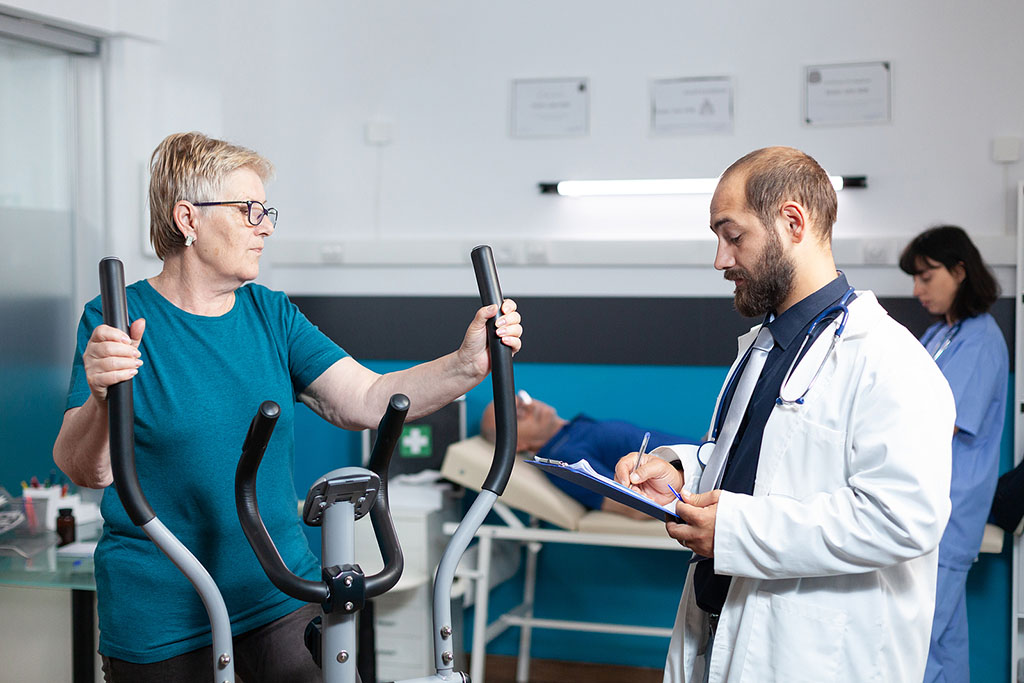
(950, 246)
(778, 174)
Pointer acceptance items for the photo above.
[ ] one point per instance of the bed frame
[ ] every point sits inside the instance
(530, 491)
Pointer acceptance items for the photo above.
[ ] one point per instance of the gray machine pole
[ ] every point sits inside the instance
(443, 652)
(339, 629)
(220, 622)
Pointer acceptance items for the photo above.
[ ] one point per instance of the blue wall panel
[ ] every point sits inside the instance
(31, 410)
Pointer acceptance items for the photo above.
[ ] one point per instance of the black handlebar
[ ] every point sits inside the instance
(260, 430)
(389, 431)
(501, 376)
(120, 406)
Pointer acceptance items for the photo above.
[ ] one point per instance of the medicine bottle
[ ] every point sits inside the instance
(65, 527)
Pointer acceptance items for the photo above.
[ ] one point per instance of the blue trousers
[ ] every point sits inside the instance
(948, 654)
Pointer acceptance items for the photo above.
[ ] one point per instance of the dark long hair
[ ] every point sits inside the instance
(950, 246)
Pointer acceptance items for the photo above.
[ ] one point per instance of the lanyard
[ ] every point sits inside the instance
(947, 340)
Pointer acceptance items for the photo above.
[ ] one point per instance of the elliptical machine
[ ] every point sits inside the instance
(339, 498)
(342, 582)
(334, 503)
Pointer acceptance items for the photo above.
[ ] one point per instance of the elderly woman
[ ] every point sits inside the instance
(954, 285)
(215, 348)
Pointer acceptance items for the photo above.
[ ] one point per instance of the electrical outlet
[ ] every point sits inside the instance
(1006, 149)
(332, 253)
(537, 253)
(877, 253)
(379, 132)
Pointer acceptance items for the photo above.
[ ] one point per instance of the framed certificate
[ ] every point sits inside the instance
(691, 106)
(550, 108)
(848, 94)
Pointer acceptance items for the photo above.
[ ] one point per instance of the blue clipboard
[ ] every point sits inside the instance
(582, 474)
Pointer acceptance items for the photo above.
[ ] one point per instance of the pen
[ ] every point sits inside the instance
(675, 492)
(640, 453)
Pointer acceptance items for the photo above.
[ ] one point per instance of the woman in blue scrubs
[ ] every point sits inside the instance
(955, 285)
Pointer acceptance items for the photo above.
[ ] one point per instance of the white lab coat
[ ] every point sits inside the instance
(834, 556)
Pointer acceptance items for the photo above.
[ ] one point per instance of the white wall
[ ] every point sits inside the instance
(440, 72)
(299, 81)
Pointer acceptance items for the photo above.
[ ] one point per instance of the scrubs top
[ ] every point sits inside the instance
(975, 362)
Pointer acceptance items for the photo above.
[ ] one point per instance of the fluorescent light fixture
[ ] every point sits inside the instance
(637, 187)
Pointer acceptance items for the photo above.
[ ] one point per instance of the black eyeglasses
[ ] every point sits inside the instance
(256, 210)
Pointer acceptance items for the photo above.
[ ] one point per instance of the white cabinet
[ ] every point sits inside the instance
(403, 617)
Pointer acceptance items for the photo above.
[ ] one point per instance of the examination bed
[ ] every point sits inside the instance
(529, 490)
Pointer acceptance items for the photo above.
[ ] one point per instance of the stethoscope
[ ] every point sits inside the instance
(950, 335)
(841, 311)
(838, 312)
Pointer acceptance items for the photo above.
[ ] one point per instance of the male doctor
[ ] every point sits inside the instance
(819, 504)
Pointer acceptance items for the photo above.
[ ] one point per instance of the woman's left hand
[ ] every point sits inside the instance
(473, 351)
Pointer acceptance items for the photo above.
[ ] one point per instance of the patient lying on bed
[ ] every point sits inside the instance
(600, 442)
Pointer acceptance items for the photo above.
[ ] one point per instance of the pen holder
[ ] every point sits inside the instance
(41, 504)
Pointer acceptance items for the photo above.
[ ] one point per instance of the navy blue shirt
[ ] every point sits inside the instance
(602, 443)
(788, 330)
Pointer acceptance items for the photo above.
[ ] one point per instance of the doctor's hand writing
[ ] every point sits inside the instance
(652, 477)
(699, 511)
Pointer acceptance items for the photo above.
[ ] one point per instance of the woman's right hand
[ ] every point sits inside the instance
(111, 357)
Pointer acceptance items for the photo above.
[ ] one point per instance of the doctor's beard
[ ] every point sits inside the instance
(765, 289)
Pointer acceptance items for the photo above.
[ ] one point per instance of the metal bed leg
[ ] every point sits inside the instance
(529, 592)
(482, 587)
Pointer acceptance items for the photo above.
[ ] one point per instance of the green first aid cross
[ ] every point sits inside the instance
(417, 442)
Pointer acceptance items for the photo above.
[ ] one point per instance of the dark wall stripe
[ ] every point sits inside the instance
(589, 330)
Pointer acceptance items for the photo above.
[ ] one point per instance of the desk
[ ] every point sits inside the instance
(47, 569)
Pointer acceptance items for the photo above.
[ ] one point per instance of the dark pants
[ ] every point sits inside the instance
(712, 629)
(268, 654)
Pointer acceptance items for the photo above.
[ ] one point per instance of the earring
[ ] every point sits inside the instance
(189, 240)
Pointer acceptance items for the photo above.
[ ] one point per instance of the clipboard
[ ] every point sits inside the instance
(582, 474)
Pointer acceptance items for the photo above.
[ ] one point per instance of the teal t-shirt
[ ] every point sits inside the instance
(201, 382)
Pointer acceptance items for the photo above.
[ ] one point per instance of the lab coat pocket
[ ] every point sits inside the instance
(810, 460)
(795, 640)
